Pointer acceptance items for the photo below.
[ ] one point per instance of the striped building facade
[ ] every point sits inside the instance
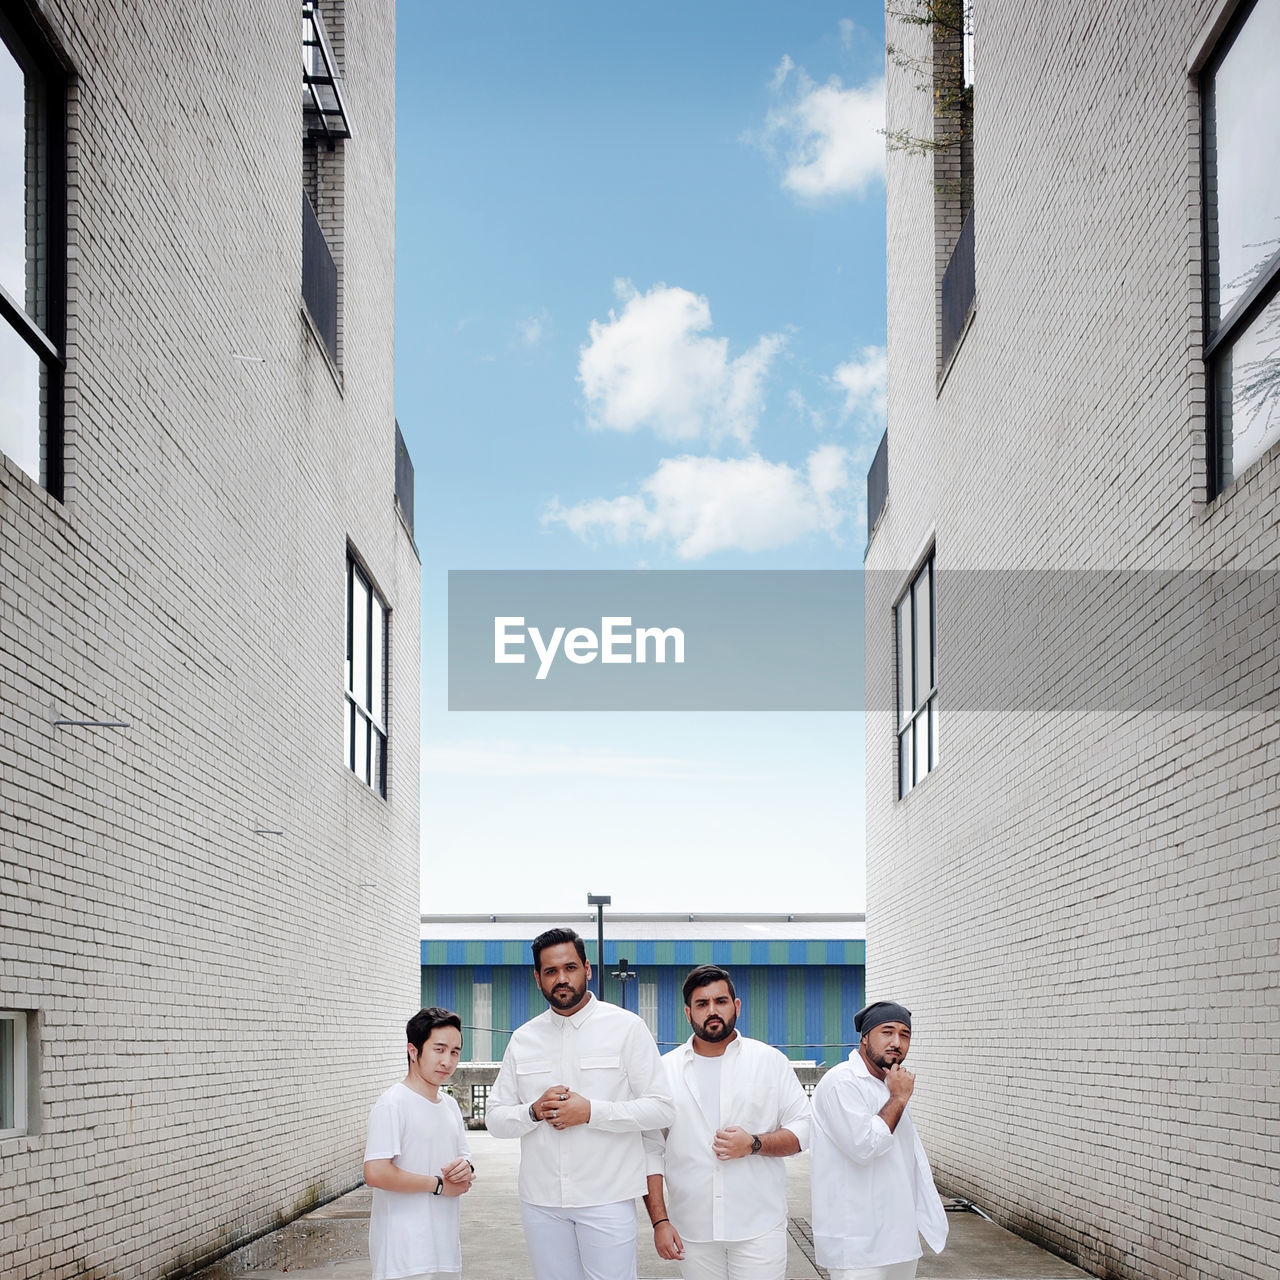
(799, 990)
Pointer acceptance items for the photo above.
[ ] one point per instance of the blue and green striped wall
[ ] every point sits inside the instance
(798, 995)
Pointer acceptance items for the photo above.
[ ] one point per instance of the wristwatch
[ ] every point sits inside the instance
(532, 1115)
(756, 1144)
(439, 1186)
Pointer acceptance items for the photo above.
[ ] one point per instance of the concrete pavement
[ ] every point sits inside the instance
(332, 1242)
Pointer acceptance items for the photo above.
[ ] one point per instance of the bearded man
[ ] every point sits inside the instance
(722, 1212)
(873, 1192)
(578, 1086)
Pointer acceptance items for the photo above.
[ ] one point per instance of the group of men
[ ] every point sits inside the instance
(701, 1133)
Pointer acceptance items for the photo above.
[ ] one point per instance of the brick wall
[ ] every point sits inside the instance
(1081, 904)
(216, 1009)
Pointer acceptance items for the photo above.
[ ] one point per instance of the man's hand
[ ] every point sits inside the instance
(458, 1170)
(732, 1143)
(547, 1107)
(666, 1239)
(454, 1188)
(901, 1082)
(569, 1110)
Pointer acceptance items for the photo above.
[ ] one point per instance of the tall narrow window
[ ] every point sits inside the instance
(1241, 138)
(13, 1073)
(482, 1022)
(365, 726)
(326, 124)
(917, 680)
(32, 254)
(648, 994)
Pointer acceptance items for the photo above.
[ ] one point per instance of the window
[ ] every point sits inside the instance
(479, 1101)
(365, 728)
(953, 68)
(32, 253)
(482, 1022)
(326, 125)
(648, 992)
(13, 1073)
(917, 680)
(1241, 126)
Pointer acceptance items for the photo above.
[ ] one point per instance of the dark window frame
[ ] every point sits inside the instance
(922, 705)
(1260, 294)
(359, 703)
(47, 340)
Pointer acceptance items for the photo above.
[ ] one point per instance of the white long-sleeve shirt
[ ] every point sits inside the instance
(712, 1199)
(872, 1189)
(607, 1055)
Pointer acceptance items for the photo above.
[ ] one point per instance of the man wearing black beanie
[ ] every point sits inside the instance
(873, 1192)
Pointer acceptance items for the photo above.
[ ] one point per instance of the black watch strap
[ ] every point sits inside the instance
(756, 1144)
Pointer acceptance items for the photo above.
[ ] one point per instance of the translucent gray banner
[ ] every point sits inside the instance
(1125, 641)
(667, 640)
(1004, 640)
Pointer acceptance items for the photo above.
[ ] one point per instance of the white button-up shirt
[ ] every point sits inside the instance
(607, 1055)
(711, 1199)
(873, 1192)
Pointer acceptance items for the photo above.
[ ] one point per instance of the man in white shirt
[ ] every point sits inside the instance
(417, 1158)
(579, 1085)
(873, 1192)
(739, 1107)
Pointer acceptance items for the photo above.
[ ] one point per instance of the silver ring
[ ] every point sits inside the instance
(555, 1115)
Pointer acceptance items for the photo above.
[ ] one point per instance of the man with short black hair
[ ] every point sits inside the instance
(417, 1158)
(873, 1192)
(578, 1086)
(723, 1211)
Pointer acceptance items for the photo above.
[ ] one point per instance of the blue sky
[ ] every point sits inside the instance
(639, 324)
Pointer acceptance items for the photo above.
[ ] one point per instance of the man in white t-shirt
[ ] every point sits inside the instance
(579, 1085)
(418, 1159)
(739, 1107)
(873, 1192)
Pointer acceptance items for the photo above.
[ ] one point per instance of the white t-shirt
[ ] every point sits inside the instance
(706, 1071)
(414, 1233)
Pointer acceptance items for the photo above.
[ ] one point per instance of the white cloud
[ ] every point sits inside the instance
(703, 505)
(531, 330)
(781, 72)
(828, 136)
(864, 380)
(655, 365)
(847, 31)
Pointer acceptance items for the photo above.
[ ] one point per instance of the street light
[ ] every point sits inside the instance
(624, 974)
(599, 901)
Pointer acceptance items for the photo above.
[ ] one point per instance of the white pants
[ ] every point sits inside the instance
(597, 1242)
(892, 1271)
(763, 1258)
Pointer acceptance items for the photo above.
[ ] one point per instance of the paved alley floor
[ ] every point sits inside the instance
(331, 1243)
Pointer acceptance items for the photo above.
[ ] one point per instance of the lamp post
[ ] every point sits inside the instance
(599, 901)
(624, 974)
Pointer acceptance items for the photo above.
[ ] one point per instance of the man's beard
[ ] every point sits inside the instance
(564, 995)
(882, 1062)
(722, 1032)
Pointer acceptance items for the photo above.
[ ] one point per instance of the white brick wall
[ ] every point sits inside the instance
(217, 1010)
(1081, 906)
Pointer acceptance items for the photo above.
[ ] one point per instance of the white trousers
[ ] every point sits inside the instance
(762, 1258)
(597, 1242)
(892, 1271)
